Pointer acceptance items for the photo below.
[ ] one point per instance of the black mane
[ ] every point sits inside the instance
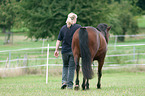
(103, 29)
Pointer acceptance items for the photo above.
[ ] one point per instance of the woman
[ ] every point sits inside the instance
(65, 35)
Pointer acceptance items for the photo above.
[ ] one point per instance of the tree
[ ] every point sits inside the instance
(7, 15)
(123, 21)
(44, 18)
(141, 4)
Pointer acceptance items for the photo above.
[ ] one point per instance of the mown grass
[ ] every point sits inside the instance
(21, 41)
(141, 21)
(113, 84)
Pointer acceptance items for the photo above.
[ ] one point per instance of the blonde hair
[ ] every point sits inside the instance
(71, 19)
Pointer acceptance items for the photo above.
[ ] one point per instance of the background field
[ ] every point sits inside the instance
(141, 21)
(130, 54)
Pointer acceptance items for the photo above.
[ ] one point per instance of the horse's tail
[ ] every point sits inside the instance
(85, 54)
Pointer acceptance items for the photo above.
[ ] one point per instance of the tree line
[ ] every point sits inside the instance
(44, 18)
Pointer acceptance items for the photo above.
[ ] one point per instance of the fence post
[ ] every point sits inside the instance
(42, 46)
(7, 62)
(137, 58)
(115, 42)
(133, 53)
(17, 61)
(25, 62)
(12, 37)
(9, 59)
(47, 64)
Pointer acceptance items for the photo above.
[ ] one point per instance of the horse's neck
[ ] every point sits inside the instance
(105, 36)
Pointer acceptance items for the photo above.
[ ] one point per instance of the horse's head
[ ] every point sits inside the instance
(104, 29)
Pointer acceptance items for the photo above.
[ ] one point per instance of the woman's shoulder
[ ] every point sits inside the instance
(63, 27)
(78, 25)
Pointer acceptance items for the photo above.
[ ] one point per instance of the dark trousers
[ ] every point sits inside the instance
(68, 69)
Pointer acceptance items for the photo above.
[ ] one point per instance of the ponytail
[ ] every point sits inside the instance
(69, 22)
(70, 19)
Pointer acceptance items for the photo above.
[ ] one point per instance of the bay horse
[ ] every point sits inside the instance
(90, 44)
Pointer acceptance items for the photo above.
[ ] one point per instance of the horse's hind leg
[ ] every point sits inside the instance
(100, 65)
(77, 72)
(87, 84)
(84, 84)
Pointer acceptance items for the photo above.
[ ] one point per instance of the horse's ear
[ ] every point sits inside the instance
(108, 29)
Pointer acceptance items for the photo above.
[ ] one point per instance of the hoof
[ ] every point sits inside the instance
(98, 86)
(87, 88)
(83, 88)
(77, 87)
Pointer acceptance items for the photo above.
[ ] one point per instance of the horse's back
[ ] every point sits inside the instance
(93, 39)
(92, 36)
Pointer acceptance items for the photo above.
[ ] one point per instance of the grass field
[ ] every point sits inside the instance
(113, 84)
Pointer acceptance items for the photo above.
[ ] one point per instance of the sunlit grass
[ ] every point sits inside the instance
(113, 84)
(141, 22)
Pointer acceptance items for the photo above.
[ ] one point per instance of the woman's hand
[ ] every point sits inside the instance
(56, 54)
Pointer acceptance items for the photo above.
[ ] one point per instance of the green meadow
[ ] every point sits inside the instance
(113, 84)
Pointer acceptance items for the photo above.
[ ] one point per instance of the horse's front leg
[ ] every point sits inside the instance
(77, 75)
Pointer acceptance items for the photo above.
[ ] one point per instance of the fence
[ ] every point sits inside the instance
(25, 58)
(118, 55)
